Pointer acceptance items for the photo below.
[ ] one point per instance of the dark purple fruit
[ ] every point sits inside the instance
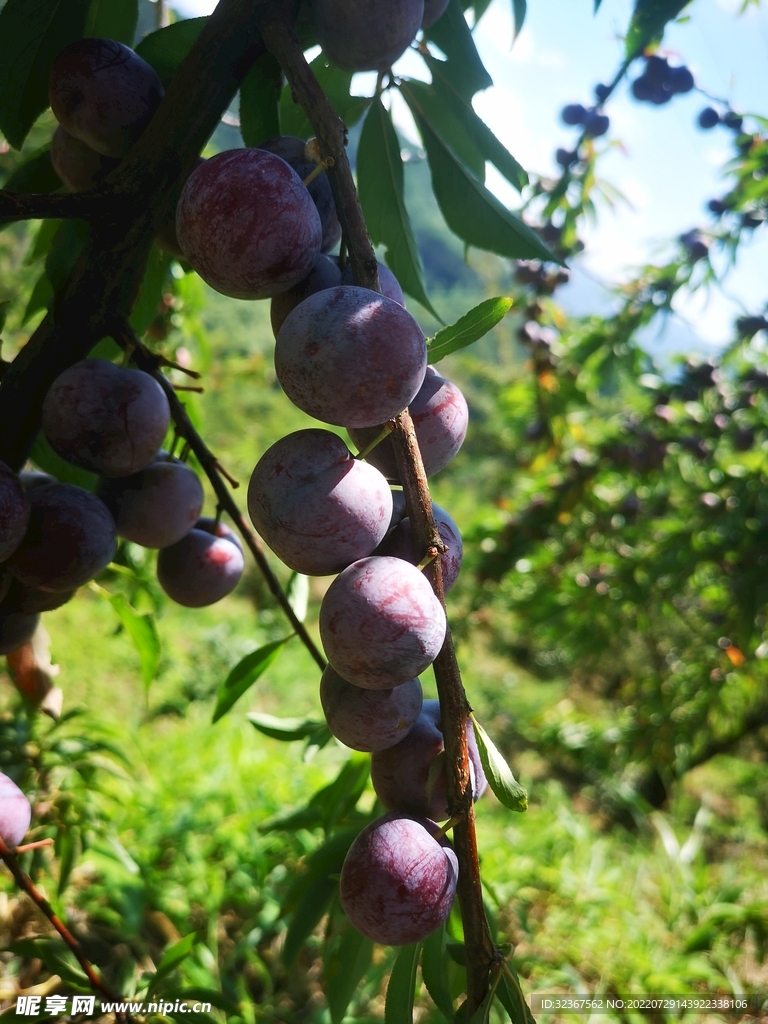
(398, 883)
(201, 568)
(366, 35)
(708, 118)
(574, 114)
(70, 538)
(389, 284)
(14, 512)
(680, 80)
(733, 121)
(401, 543)
(433, 9)
(368, 719)
(324, 274)
(15, 812)
(103, 93)
(106, 418)
(16, 629)
(596, 124)
(566, 157)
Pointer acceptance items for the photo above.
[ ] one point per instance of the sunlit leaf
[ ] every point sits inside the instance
(153, 285)
(297, 593)
(336, 84)
(142, 629)
(500, 778)
(171, 959)
(244, 675)
(401, 990)
(471, 327)
(434, 962)
(285, 729)
(451, 33)
(380, 183)
(648, 20)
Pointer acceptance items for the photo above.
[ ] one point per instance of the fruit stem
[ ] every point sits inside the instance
(430, 556)
(383, 434)
(145, 360)
(451, 823)
(318, 170)
(37, 845)
(280, 40)
(189, 387)
(25, 883)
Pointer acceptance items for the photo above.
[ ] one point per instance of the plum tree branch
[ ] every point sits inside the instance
(31, 206)
(25, 883)
(331, 134)
(151, 363)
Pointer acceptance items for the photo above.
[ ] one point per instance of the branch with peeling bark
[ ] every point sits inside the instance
(481, 955)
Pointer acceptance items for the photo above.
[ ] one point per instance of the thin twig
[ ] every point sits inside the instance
(124, 335)
(25, 883)
(59, 205)
(280, 40)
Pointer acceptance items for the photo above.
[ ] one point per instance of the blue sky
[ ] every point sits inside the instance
(665, 166)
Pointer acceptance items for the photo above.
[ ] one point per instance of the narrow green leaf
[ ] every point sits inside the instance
(349, 959)
(153, 285)
(472, 326)
(166, 49)
(244, 675)
(142, 629)
(285, 729)
(471, 211)
(401, 990)
(511, 997)
(56, 957)
(483, 1012)
(336, 86)
(330, 804)
(518, 13)
(380, 183)
(500, 778)
(171, 959)
(66, 848)
(326, 860)
(68, 242)
(477, 133)
(113, 19)
(434, 972)
(307, 914)
(442, 114)
(648, 21)
(32, 33)
(5, 307)
(41, 298)
(260, 101)
(34, 175)
(297, 593)
(451, 33)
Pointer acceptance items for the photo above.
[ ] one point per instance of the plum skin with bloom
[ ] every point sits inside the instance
(368, 719)
(398, 882)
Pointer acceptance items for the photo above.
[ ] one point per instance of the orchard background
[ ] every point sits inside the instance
(610, 616)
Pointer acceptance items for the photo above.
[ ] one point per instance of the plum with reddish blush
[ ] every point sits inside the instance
(381, 623)
(247, 224)
(324, 274)
(404, 776)
(398, 882)
(201, 568)
(15, 812)
(103, 94)
(433, 9)
(70, 538)
(440, 417)
(366, 35)
(388, 283)
(14, 512)
(368, 719)
(316, 506)
(106, 418)
(79, 167)
(401, 543)
(218, 529)
(350, 356)
(157, 506)
(294, 152)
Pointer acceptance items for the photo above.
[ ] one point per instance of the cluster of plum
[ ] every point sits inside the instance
(659, 81)
(710, 118)
(56, 536)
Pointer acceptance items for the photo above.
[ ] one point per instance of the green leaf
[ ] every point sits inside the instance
(297, 593)
(260, 101)
(344, 967)
(434, 972)
(518, 13)
(32, 33)
(41, 298)
(245, 674)
(647, 25)
(285, 729)
(451, 33)
(330, 804)
(380, 183)
(142, 629)
(68, 242)
(35, 174)
(45, 458)
(325, 861)
(500, 778)
(56, 957)
(66, 848)
(336, 85)
(454, 120)
(171, 959)
(444, 121)
(113, 19)
(166, 49)
(401, 990)
(153, 285)
(511, 997)
(471, 211)
(472, 326)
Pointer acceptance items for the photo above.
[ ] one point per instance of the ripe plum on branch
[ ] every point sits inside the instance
(368, 719)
